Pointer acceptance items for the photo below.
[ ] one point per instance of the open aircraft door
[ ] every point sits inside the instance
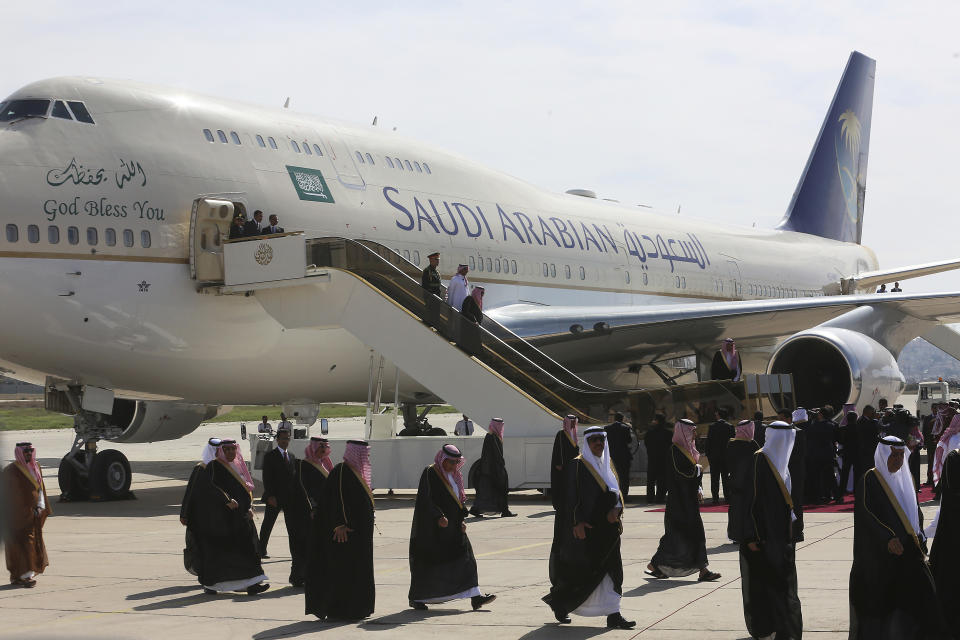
(209, 227)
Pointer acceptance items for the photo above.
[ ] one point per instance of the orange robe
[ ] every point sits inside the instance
(24, 530)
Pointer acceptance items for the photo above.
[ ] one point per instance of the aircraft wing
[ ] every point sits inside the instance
(867, 281)
(581, 337)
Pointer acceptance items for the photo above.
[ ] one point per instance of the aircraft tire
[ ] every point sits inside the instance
(110, 475)
(73, 486)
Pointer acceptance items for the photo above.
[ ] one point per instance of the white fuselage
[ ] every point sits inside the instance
(130, 318)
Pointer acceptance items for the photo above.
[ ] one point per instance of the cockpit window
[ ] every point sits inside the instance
(80, 111)
(60, 111)
(16, 109)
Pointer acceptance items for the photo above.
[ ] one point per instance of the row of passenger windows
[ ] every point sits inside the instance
(770, 291)
(110, 236)
(314, 148)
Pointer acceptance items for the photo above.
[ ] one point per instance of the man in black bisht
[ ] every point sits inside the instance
(892, 593)
(768, 568)
(822, 438)
(740, 452)
(866, 432)
(189, 517)
(657, 442)
(718, 435)
(442, 564)
(585, 558)
(312, 473)
(565, 449)
(945, 553)
(683, 547)
(281, 494)
(620, 439)
(489, 475)
(348, 592)
(223, 495)
(759, 428)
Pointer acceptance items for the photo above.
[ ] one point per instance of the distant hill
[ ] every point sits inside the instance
(920, 361)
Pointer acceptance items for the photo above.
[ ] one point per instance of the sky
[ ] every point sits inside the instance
(709, 108)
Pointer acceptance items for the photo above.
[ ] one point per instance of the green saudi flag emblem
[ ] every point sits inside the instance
(310, 184)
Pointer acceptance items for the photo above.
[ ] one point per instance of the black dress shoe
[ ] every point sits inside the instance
(478, 601)
(561, 616)
(209, 592)
(508, 514)
(617, 621)
(260, 587)
(476, 513)
(419, 606)
(296, 584)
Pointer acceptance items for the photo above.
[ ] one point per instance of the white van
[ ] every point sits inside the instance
(930, 393)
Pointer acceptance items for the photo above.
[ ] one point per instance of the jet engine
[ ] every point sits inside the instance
(837, 366)
(153, 421)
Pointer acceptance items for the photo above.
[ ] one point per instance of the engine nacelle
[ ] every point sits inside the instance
(152, 421)
(838, 366)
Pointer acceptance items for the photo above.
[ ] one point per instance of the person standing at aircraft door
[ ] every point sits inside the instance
(26, 510)
(882, 289)
(719, 435)
(253, 227)
(620, 439)
(896, 288)
(274, 226)
(238, 228)
(726, 363)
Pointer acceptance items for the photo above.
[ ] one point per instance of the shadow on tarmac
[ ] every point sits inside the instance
(165, 591)
(655, 585)
(298, 629)
(568, 632)
(409, 616)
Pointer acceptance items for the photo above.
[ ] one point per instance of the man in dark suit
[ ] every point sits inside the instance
(253, 227)
(274, 226)
(718, 436)
(658, 440)
(280, 494)
(619, 439)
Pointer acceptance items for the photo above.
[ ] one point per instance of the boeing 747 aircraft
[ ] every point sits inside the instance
(121, 294)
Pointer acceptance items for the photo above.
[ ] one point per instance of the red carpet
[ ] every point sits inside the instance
(926, 495)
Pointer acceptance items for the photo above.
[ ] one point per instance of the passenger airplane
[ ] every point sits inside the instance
(105, 290)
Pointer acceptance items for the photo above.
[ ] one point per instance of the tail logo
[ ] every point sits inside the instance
(848, 161)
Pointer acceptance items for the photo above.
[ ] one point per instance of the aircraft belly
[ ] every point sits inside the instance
(167, 339)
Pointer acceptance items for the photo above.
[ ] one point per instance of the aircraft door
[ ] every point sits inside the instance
(342, 159)
(209, 227)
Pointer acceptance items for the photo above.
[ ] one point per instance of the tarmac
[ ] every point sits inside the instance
(116, 569)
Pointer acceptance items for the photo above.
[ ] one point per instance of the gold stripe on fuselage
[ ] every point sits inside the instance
(91, 256)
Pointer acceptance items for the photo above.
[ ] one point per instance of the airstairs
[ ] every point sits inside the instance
(482, 370)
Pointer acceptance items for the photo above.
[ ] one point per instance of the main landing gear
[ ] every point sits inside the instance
(86, 473)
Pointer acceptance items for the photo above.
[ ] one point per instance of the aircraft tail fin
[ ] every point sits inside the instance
(828, 200)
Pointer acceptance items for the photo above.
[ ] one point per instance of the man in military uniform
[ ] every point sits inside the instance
(433, 290)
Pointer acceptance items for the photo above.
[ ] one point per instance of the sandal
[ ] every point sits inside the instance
(709, 576)
(655, 572)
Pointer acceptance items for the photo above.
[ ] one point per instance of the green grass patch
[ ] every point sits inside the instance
(20, 419)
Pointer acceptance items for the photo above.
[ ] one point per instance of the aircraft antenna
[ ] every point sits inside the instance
(286, 104)
(374, 123)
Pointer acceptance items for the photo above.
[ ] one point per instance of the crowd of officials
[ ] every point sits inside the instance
(243, 228)
(901, 586)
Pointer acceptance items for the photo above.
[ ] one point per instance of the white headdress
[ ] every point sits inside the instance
(900, 481)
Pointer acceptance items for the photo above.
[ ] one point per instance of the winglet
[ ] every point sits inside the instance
(828, 201)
